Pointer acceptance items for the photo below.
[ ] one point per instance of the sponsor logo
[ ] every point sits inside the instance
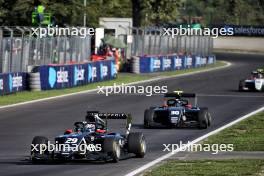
(203, 61)
(94, 70)
(80, 74)
(188, 61)
(210, 60)
(167, 63)
(105, 71)
(198, 60)
(1, 84)
(156, 63)
(62, 76)
(178, 62)
(17, 81)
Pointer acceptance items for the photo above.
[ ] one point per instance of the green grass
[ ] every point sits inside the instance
(236, 167)
(248, 135)
(122, 78)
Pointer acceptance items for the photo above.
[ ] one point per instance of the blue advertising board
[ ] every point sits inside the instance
(65, 76)
(12, 82)
(150, 64)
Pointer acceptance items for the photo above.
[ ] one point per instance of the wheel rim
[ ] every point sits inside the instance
(117, 149)
(143, 146)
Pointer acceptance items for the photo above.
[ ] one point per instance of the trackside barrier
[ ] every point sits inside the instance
(65, 76)
(149, 64)
(12, 82)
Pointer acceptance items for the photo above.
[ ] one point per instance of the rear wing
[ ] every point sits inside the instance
(107, 115)
(179, 95)
(99, 116)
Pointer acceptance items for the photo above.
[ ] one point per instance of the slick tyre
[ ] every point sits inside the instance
(112, 148)
(203, 118)
(148, 118)
(137, 144)
(36, 155)
(241, 85)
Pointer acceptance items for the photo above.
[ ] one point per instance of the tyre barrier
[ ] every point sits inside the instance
(149, 64)
(34, 81)
(135, 64)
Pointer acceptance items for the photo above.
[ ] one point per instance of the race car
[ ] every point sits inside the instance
(90, 140)
(178, 112)
(254, 83)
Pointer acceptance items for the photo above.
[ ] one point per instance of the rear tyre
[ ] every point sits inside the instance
(241, 85)
(137, 144)
(203, 118)
(36, 155)
(209, 117)
(112, 148)
(148, 118)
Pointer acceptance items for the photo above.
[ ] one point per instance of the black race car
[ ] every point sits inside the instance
(177, 112)
(90, 141)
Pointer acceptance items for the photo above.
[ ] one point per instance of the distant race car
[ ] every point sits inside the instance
(178, 112)
(90, 141)
(254, 83)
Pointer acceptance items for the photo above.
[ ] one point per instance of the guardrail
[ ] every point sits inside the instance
(149, 64)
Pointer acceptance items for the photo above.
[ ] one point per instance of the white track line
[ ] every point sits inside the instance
(234, 96)
(156, 161)
(133, 83)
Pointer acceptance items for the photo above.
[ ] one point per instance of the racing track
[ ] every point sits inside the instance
(19, 124)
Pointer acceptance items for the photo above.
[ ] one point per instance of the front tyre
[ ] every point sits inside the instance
(148, 117)
(37, 153)
(203, 118)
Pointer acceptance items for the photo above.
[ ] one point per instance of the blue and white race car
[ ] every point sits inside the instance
(254, 83)
(177, 112)
(90, 141)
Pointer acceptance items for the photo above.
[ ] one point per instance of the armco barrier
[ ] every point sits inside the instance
(65, 76)
(148, 64)
(12, 82)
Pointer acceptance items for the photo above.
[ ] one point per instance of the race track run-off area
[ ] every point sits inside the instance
(217, 90)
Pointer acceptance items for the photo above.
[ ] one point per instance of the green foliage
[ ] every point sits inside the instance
(65, 12)
(144, 12)
(240, 12)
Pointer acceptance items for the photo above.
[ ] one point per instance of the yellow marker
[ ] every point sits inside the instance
(178, 92)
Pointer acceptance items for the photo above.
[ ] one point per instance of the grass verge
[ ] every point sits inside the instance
(122, 78)
(236, 167)
(246, 135)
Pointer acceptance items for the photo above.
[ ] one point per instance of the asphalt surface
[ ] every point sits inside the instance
(18, 125)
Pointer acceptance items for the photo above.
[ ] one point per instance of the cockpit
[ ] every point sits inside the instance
(80, 127)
